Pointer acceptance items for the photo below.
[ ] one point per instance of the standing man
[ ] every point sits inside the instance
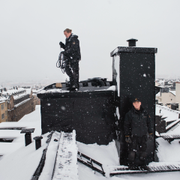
(137, 127)
(72, 56)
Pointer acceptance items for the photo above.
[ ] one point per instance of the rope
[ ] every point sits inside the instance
(61, 62)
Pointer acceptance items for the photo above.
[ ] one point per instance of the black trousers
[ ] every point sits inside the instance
(72, 70)
(137, 150)
(138, 143)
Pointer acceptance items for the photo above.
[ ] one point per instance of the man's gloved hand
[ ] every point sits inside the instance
(128, 139)
(151, 137)
(62, 45)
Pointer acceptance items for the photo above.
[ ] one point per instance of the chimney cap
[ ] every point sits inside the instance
(132, 42)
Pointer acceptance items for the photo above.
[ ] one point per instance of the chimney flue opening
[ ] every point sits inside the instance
(132, 42)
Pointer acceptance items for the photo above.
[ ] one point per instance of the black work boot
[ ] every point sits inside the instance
(131, 160)
(133, 167)
(73, 88)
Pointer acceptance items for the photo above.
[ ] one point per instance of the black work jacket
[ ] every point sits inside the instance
(72, 48)
(137, 123)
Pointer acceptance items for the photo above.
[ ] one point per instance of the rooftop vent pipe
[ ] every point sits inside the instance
(27, 133)
(132, 42)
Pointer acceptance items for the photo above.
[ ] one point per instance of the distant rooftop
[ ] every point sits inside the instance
(15, 92)
(167, 113)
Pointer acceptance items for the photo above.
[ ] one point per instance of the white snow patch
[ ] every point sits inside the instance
(168, 152)
(167, 112)
(50, 157)
(66, 164)
(32, 120)
(21, 162)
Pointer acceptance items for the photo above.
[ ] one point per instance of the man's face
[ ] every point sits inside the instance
(67, 34)
(137, 105)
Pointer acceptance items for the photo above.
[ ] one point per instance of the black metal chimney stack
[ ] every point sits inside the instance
(134, 75)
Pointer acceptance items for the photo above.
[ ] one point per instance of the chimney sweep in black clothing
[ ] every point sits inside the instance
(72, 57)
(137, 127)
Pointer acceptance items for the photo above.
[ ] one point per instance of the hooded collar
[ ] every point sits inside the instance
(71, 36)
(137, 111)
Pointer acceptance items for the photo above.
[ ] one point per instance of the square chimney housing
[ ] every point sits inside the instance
(134, 75)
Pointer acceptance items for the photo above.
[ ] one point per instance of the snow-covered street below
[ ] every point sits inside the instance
(19, 162)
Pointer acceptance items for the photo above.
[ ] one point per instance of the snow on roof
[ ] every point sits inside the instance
(32, 120)
(67, 152)
(173, 92)
(2, 99)
(22, 161)
(161, 81)
(173, 124)
(84, 89)
(7, 147)
(171, 115)
(168, 152)
(22, 102)
(17, 92)
(12, 91)
(36, 91)
(53, 91)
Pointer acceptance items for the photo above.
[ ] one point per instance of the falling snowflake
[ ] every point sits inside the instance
(63, 108)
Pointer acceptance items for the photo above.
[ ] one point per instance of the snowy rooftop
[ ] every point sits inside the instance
(2, 99)
(167, 113)
(81, 89)
(20, 162)
(16, 92)
(173, 92)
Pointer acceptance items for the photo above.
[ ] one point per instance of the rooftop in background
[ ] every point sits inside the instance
(167, 113)
(16, 92)
(3, 99)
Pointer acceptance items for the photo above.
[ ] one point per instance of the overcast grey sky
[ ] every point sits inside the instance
(30, 31)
